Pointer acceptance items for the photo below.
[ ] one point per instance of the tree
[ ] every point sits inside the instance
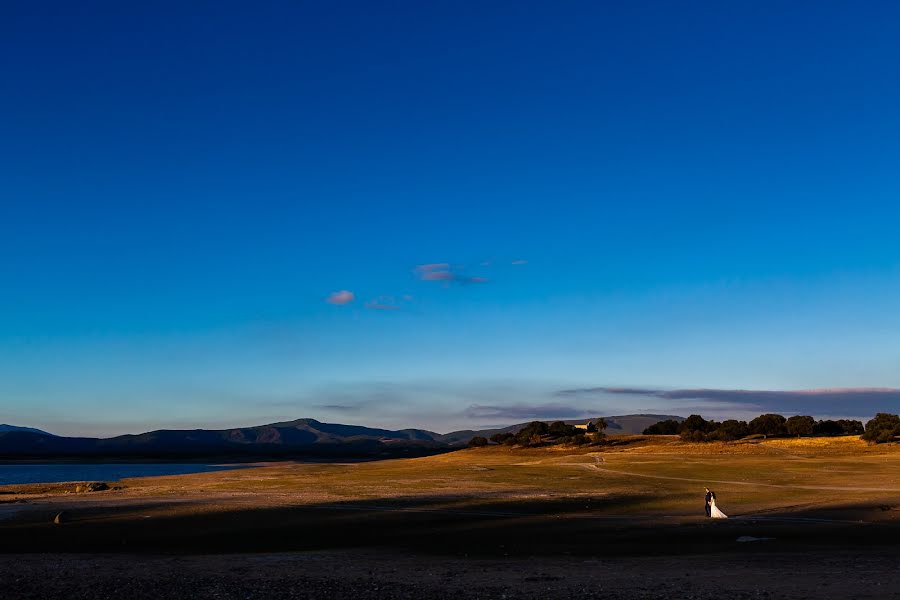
(732, 429)
(828, 428)
(600, 424)
(851, 427)
(667, 427)
(532, 434)
(499, 438)
(478, 442)
(768, 424)
(800, 426)
(883, 428)
(559, 429)
(694, 429)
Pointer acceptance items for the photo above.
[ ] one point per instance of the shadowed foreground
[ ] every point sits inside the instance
(491, 523)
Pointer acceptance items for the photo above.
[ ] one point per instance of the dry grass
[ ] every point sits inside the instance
(658, 475)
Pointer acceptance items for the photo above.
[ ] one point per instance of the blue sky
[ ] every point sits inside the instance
(605, 195)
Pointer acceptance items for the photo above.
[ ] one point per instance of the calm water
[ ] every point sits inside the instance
(109, 472)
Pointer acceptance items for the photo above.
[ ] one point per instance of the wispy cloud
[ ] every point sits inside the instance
(342, 408)
(340, 298)
(375, 305)
(446, 273)
(831, 401)
(430, 267)
(519, 261)
(526, 411)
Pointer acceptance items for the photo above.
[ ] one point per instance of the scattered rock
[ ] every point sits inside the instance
(94, 486)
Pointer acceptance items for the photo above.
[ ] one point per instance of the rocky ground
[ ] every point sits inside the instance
(373, 574)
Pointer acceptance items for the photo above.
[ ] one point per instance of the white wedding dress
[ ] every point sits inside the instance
(714, 511)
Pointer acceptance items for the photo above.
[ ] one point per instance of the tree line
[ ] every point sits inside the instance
(539, 433)
(883, 428)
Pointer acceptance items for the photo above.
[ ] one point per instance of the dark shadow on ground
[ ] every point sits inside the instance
(443, 525)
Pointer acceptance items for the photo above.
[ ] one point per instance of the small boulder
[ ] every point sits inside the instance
(94, 486)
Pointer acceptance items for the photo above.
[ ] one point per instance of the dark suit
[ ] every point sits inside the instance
(709, 498)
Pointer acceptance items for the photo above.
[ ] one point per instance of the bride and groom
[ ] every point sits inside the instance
(711, 509)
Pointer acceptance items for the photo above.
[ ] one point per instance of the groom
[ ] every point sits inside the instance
(710, 495)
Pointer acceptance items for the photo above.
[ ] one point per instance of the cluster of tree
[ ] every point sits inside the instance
(539, 433)
(883, 428)
(697, 429)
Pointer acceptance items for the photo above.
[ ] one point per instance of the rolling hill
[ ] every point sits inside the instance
(299, 438)
(4, 428)
(306, 437)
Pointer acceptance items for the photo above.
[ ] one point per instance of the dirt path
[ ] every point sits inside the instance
(596, 467)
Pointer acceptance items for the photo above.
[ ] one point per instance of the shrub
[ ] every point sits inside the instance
(693, 436)
(499, 438)
(883, 428)
(579, 439)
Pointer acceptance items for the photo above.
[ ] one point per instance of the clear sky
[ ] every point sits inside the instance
(446, 214)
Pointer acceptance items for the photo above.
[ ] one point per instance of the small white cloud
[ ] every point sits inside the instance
(340, 298)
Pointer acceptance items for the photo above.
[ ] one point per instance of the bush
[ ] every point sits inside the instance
(500, 438)
(883, 428)
(693, 436)
(478, 442)
(579, 439)
(596, 437)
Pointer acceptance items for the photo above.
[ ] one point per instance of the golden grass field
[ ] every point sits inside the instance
(817, 501)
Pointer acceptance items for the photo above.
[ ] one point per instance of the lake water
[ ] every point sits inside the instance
(10, 474)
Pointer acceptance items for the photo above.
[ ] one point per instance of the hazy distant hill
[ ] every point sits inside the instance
(303, 436)
(5, 428)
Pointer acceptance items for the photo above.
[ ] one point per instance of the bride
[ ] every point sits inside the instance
(714, 511)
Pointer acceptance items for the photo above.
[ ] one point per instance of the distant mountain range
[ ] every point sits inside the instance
(303, 437)
(5, 428)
